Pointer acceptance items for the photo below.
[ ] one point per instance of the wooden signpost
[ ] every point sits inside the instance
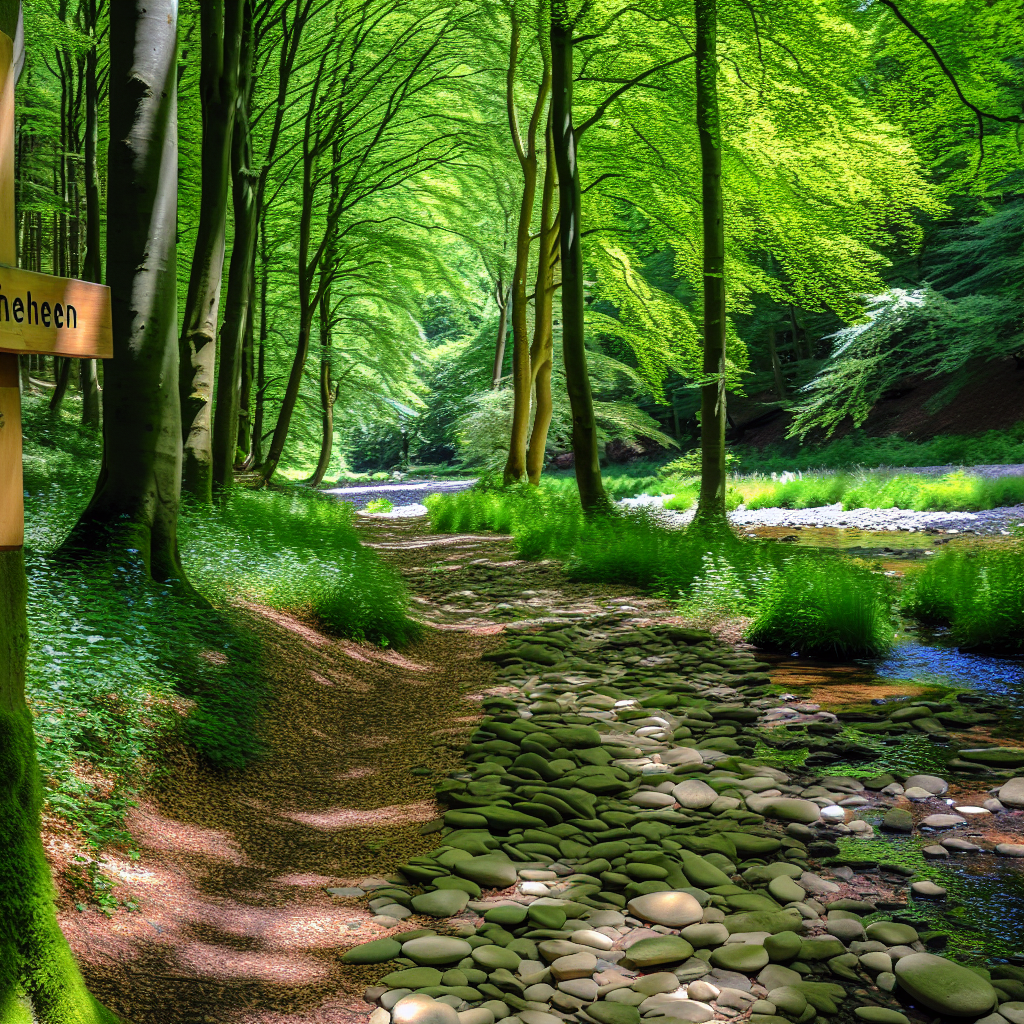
(39, 315)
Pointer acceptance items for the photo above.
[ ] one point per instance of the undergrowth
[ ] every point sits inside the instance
(977, 593)
(117, 662)
(814, 604)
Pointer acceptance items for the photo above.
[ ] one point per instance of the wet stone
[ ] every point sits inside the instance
(672, 908)
(944, 986)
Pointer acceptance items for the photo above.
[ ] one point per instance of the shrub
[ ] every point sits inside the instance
(978, 593)
(379, 505)
(824, 606)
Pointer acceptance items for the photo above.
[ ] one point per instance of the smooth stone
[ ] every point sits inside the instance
(546, 916)
(877, 961)
(575, 965)
(998, 757)
(881, 1015)
(789, 1000)
(605, 1012)
(916, 793)
(776, 976)
(833, 813)
(422, 1009)
(377, 952)
(589, 937)
(694, 795)
(898, 819)
(848, 931)
(816, 885)
(477, 1015)
(935, 852)
(491, 871)
(703, 991)
(493, 957)
(926, 888)
(1012, 1011)
(704, 936)
(538, 1017)
(734, 998)
(690, 1010)
(1010, 849)
(942, 821)
(436, 949)
(932, 783)
(892, 933)
(740, 957)
(788, 809)
(786, 890)
(652, 799)
(783, 946)
(441, 902)
(412, 977)
(944, 986)
(580, 988)
(671, 908)
(1012, 793)
(665, 949)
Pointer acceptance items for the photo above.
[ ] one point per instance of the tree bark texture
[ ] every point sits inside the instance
(711, 499)
(581, 400)
(541, 351)
(247, 376)
(526, 150)
(134, 510)
(236, 312)
(328, 393)
(93, 264)
(502, 295)
(221, 28)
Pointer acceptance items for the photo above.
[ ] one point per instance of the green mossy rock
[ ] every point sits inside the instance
(492, 958)
(892, 933)
(785, 890)
(738, 956)
(881, 1015)
(464, 819)
(605, 1012)
(944, 986)
(898, 819)
(665, 949)
(506, 915)
(821, 949)
(997, 757)
(783, 947)
(412, 977)
(546, 917)
(539, 764)
(753, 846)
(504, 819)
(441, 902)
(772, 922)
(451, 882)
(493, 871)
(377, 952)
(700, 873)
(433, 950)
(790, 809)
(577, 737)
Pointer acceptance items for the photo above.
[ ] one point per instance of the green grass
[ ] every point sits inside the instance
(117, 662)
(858, 449)
(977, 593)
(825, 607)
(814, 604)
(379, 505)
(949, 493)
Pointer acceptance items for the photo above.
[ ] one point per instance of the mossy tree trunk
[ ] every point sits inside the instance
(711, 499)
(133, 514)
(585, 446)
(221, 28)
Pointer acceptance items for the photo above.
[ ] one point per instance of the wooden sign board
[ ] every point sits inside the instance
(54, 315)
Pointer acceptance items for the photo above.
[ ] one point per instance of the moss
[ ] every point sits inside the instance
(36, 963)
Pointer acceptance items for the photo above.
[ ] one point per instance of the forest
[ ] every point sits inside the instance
(545, 538)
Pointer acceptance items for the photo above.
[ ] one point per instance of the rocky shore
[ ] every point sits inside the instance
(614, 852)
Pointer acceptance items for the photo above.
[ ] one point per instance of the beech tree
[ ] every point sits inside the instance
(133, 514)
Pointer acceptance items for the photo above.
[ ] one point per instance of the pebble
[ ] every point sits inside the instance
(674, 909)
(942, 821)
(929, 889)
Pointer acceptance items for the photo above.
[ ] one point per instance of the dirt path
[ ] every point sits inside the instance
(235, 925)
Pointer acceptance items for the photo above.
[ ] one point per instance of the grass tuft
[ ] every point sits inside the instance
(978, 593)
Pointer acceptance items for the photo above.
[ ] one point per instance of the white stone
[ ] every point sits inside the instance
(534, 889)
(589, 937)
(694, 795)
(421, 1009)
(672, 908)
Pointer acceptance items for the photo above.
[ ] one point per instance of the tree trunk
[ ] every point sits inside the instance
(256, 456)
(236, 313)
(502, 295)
(93, 267)
(581, 400)
(39, 980)
(248, 376)
(133, 514)
(801, 343)
(221, 28)
(522, 379)
(327, 392)
(62, 370)
(541, 351)
(773, 352)
(711, 499)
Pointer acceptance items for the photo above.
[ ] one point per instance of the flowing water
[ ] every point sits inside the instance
(983, 913)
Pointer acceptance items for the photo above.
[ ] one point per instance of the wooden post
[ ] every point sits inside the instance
(12, 500)
(38, 315)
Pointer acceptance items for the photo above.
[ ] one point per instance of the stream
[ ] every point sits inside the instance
(984, 909)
